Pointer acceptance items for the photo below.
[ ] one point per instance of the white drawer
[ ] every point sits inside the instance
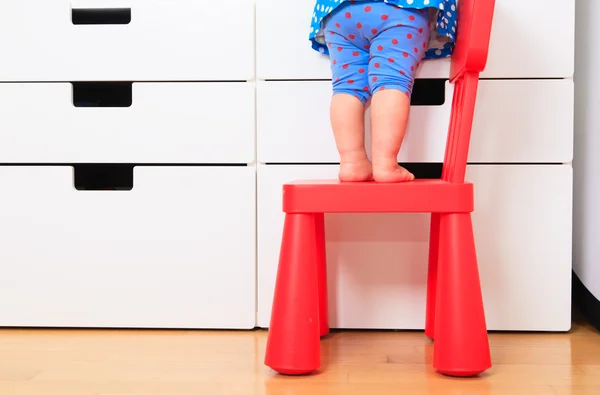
(165, 40)
(530, 38)
(177, 251)
(378, 263)
(166, 123)
(516, 121)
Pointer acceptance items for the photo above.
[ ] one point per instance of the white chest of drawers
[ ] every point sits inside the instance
(200, 111)
(161, 105)
(520, 158)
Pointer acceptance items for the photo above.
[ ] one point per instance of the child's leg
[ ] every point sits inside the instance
(389, 118)
(347, 121)
(396, 52)
(349, 64)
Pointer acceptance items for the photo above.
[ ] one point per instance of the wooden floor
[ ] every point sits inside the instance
(39, 362)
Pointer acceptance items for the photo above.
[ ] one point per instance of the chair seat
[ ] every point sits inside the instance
(419, 196)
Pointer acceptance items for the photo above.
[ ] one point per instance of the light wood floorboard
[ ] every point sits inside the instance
(86, 362)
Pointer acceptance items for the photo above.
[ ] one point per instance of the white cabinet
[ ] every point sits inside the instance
(176, 251)
(132, 40)
(530, 39)
(161, 123)
(93, 93)
(169, 87)
(377, 264)
(516, 121)
(520, 154)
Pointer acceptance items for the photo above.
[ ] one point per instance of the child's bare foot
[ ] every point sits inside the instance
(356, 171)
(391, 172)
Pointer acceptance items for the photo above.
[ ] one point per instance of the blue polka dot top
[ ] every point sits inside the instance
(443, 32)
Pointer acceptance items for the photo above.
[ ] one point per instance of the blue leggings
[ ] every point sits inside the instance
(374, 46)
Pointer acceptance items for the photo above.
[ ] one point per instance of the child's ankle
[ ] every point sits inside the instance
(354, 156)
(385, 162)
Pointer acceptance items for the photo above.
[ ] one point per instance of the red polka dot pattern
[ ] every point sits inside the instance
(375, 50)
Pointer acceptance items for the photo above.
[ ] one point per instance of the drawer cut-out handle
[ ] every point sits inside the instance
(429, 92)
(103, 177)
(101, 16)
(102, 94)
(424, 171)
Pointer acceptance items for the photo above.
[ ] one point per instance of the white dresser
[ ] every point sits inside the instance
(197, 113)
(89, 89)
(520, 163)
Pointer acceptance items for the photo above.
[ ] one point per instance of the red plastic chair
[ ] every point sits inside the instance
(455, 311)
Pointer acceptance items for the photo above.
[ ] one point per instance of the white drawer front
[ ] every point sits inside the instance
(529, 39)
(178, 251)
(378, 263)
(165, 40)
(166, 123)
(516, 121)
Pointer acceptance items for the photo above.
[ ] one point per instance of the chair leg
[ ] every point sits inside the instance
(322, 275)
(461, 339)
(293, 341)
(434, 244)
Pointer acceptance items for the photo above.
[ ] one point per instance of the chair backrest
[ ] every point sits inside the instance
(468, 61)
